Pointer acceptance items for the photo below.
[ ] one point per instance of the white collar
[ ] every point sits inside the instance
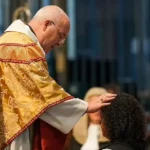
(19, 26)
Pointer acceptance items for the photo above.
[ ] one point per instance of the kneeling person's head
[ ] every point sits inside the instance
(124, 119)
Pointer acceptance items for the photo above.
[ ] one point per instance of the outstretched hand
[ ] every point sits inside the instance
(99, 102)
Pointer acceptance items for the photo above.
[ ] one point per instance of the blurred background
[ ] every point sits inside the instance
(109, 44)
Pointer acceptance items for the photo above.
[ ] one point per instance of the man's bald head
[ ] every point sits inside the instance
(47, 21)
(53, 13)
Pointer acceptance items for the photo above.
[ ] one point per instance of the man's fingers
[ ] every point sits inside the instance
(105, 104)
(110, 95)
(109, 99)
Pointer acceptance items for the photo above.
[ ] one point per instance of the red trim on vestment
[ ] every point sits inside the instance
(22, 61)
(18, 45)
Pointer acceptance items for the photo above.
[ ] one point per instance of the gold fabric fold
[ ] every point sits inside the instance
(26, 89)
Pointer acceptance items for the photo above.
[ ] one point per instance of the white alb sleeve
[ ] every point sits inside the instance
(64, 116)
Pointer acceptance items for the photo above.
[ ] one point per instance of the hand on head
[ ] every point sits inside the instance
(99, 102)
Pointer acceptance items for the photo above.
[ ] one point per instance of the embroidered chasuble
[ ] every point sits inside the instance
(27, 91)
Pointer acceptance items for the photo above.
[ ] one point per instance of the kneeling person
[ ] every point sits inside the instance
(123, 123)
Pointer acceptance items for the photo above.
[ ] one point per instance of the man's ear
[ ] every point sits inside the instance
(46, 24)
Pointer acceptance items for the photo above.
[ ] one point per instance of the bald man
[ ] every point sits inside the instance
(35, 112)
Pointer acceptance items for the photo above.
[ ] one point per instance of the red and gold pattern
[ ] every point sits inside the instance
(26, 89)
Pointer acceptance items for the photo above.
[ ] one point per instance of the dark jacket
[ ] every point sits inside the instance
(126, 146)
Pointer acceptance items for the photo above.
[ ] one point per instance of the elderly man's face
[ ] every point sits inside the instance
(61, 36)
(53, 36)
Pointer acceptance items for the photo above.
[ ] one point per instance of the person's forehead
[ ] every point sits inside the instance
(65, 24)
(64, 28)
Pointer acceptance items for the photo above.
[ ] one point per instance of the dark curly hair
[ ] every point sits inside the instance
(124, 119)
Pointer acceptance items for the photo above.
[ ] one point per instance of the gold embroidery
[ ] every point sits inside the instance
(26, 89)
